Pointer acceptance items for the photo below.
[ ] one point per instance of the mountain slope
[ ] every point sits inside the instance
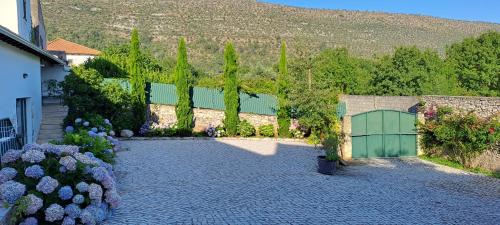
(256, 28)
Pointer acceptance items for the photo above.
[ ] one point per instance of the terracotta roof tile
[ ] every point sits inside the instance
(69, 47)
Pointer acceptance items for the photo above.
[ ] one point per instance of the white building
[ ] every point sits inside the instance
(23, 66)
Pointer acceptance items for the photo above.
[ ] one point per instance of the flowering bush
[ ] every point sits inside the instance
(57, 184)
(297, 133)
(458, 136)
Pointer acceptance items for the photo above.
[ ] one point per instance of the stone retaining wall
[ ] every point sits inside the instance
(356, 104)
(164, 116)
(482, 106)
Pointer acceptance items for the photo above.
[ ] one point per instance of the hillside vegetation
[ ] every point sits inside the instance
(255, 28)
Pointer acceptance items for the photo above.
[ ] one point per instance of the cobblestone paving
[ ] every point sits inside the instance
(264, 182)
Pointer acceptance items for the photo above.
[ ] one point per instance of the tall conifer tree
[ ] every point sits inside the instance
(283, 86)
(231, 96)
(137, 80)
(183, 110)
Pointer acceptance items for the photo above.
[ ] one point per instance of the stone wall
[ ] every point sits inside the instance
(356, 104)
(164, 116)
(482, 106)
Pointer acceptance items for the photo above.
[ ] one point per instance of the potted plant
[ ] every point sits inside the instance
(329, 163)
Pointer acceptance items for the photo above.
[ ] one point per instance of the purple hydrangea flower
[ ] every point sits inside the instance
(11, 156)
(54, 212)
(87, 217)
(7, 174)
(69, 129)
(92, 133)
(34, 171)
(65, 193)
(73, 211)
(106, 121)
(47, 185)
(89, 154)
(33, 156)
(69, 149)
(68, 221)
(108, 182)
(82, 187)
(95, 192)
(98, 173)
(78, 199)
(78, 120)
(112, 198)
(29, 221)
(101, 134)
(86, 123)
(83, 158)
(68, 162)
(50, 148)
(108, 151)
(112, 133)
(99, 214)
(63, 169)
(34, 204)
(93, 129)
(36, 147)
(11, 191)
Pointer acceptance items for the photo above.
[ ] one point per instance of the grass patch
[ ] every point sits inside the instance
(457, 165)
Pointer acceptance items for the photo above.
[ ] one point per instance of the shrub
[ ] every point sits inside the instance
(266, 130)
(330, 145)
(48, 184)
(297, 133)
(458, 136)
(246, 129)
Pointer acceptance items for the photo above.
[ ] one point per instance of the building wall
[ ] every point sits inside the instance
(14, 63)
(356, 104)
(11, 16)
(53, 72)
(76, 60)
(482, 106)
(164, 116)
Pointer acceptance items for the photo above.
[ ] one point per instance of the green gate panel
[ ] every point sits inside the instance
(359, 147)
(391, 145)
(374, 122)
(384, 133)
(375, 145)
(408, 145)
(408, 123)
(358, 125)
(391, 122)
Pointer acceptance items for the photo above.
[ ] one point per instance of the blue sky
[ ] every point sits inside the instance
(472, 10)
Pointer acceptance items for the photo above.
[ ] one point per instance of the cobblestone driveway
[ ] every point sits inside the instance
(264, 182)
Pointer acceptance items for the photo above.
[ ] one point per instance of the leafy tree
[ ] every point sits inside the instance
(231, 97)
(183, 110)
(476, 61)
(137, 80)
(411, 71)
(283, 86)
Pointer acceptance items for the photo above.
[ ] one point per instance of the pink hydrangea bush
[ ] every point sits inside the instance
(57, 184)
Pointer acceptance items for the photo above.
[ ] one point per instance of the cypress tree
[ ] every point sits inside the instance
(183, 110)
(231, 96)
(137, 80)
(283, 86)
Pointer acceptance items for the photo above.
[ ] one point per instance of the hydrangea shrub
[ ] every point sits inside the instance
(32, 181)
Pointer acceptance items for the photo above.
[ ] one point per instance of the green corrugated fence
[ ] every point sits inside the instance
(210, 98)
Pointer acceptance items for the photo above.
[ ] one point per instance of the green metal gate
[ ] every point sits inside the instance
(384, 133)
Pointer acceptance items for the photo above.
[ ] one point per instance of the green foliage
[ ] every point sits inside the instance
(266, 130)
(459, 136)
(283, 89)
(411, 71)
(331, 146)
(137, 81)
(476, 61)
(231, 96)
(85, 92)
(246, 129)
(183, 110)
(96, 145)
